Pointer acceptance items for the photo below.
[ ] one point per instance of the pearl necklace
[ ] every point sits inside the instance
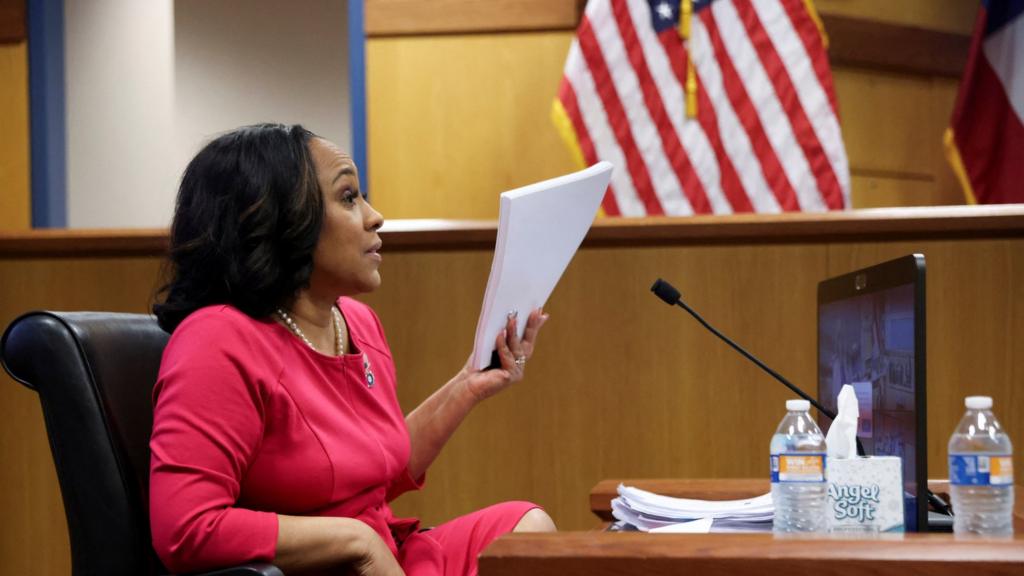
(339, 339)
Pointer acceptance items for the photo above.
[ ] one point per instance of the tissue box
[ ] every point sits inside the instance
(865, 494)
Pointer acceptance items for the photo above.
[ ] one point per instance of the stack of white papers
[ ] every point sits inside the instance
(649, 512)
(540, 226)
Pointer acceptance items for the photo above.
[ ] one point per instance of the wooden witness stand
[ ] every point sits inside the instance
(599, 553)
(746, 272)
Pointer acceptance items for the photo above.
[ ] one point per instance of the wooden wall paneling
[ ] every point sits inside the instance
(407, 17)
(972, 340)
(943, 97)
(954, 16)
(29, 493)
(863, 42)
(892, 127)
(36, 541)
(871, 191)
(401, 17)
(886, 123)
(13, 21)
(15, 211)
(454, 121)
(921, 37)
(112, 284)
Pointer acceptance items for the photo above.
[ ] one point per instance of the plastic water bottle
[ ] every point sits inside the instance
(981, 472)
(799, 491)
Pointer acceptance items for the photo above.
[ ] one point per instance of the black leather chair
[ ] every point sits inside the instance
(94, 372)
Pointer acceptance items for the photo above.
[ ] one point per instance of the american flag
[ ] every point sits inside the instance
(705, 106)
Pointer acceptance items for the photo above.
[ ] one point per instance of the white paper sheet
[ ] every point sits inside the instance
(650, 512)
(699, 526)
(656, 505)
(540, 226)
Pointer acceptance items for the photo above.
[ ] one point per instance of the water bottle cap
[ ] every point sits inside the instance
(798, 405)
(978, 402)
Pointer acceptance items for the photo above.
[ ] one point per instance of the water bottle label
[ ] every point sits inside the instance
(980, 470)
(801, 467)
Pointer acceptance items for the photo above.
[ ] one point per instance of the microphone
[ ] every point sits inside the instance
(672, 297)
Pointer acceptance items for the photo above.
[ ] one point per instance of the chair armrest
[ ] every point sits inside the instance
(254, 569)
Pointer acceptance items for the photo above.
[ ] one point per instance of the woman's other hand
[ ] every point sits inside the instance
(377, 559)
(513, 353)
(318, 543)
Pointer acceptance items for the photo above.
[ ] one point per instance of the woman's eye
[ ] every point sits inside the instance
(349, 196)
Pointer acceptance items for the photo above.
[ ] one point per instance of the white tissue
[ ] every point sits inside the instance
(842, 434)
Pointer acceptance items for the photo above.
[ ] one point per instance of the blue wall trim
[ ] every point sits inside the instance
(46, 112)
(357, 90)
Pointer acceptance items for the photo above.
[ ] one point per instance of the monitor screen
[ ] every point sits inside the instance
(870, 335)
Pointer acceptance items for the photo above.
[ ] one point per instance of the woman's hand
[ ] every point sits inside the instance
(377, 559)
(322, 542)
(513, 352)
(432, 423)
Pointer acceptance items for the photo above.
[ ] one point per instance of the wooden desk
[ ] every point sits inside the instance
(608, 553)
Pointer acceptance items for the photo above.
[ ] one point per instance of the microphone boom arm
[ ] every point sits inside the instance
(832, 415)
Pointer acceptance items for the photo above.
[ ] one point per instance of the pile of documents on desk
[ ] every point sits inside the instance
(637, 509)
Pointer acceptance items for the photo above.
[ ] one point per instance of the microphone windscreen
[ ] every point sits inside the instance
(666, 292)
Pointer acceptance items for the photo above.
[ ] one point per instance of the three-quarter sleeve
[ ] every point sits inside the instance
(209, 414)
(403, 483)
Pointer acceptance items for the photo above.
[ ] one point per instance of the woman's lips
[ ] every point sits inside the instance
(374, 251)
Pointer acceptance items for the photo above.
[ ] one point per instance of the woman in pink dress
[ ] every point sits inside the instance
(277, 433)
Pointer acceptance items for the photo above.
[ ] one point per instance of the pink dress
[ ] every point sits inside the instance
(250, 422)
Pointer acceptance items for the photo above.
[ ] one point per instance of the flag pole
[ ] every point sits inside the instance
(685, 17)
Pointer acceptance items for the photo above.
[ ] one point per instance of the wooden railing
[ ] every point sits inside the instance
(923, 223)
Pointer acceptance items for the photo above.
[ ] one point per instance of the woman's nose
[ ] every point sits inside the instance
(374, 219)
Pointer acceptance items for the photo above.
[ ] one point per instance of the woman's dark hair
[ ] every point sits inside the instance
(246, 222)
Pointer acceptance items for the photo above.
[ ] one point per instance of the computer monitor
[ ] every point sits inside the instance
(871, 335)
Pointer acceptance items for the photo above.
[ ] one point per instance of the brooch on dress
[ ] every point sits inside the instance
(369, 372)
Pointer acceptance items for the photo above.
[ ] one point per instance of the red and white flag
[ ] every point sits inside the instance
(705, 106)
(985, 141)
